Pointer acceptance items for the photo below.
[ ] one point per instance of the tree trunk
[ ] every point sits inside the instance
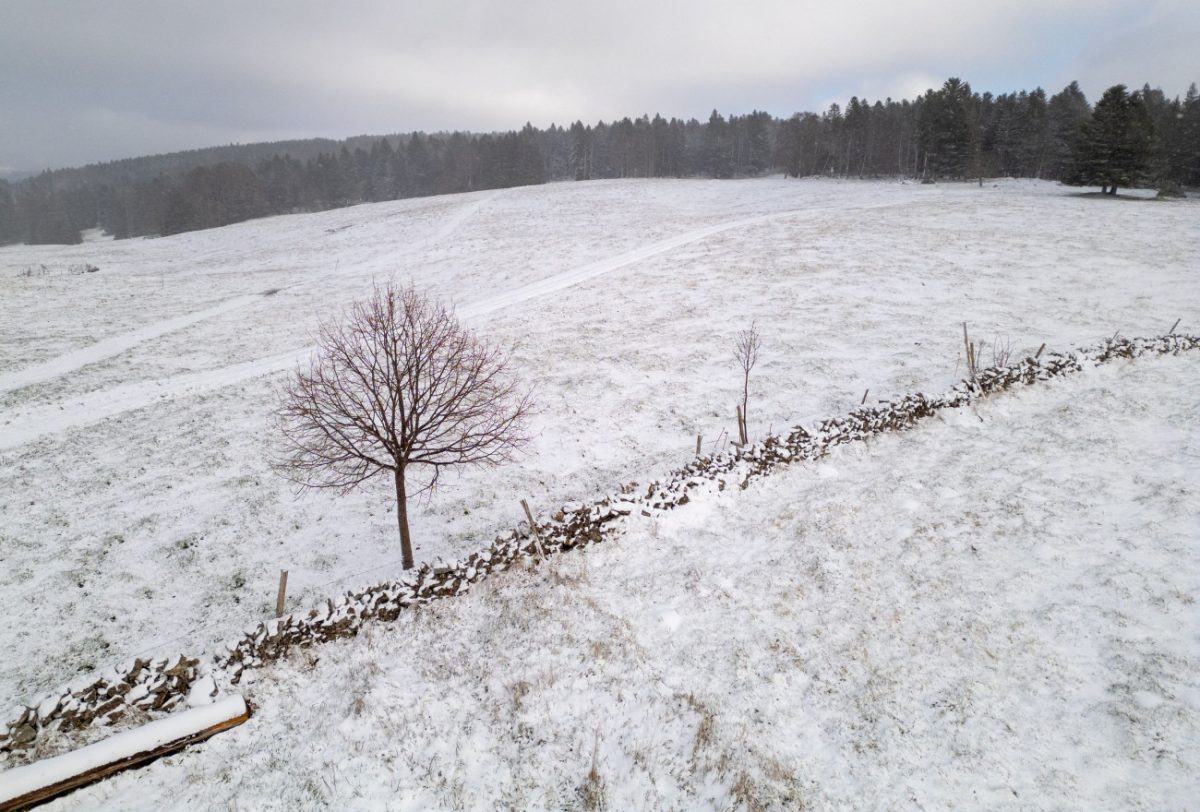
(745, 409)
(1112, 190)
(402, 519)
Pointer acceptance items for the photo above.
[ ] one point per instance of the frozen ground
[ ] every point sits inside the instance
(994, 611)
(137, 510)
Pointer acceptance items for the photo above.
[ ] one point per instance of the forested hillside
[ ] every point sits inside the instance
(953, 132)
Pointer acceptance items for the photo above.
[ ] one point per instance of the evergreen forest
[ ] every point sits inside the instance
(1128, 138)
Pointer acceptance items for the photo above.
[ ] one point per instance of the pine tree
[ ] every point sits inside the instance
(624, 160)
(530, 166)
(420, 167)
(1036, 132)
(10, 229)
(1068, 110)
(1116, 144)
(677, 157)
(855, 138)
(1190, 128)
(461, 173)
(47, 219)
(383, 170)
(555, 146)
(947, 133)
(581, 151)
(716, 147)
(1170, 164)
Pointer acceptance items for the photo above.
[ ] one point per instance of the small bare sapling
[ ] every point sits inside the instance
(746, 353)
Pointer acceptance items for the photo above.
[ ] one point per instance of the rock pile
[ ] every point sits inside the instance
(158, 685)
(345, 615)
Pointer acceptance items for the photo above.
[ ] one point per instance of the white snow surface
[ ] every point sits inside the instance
(996, 610)
(138, 513)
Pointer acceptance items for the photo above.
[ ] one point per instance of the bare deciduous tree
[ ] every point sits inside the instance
(746, 353)
(398, 383)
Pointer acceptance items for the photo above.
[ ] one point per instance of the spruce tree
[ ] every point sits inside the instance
(1116, 144)
(948, 131)
(717, 161)
(1068, 111)
(10, 230)
(1189, 126)
(581, 151)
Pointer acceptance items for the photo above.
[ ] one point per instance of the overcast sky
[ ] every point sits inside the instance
(84, 81)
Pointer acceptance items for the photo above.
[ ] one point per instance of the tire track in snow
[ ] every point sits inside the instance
(109, 347)
(463, 214)
(26, 426)
(584, 273)
(566, 279)
(19, 427)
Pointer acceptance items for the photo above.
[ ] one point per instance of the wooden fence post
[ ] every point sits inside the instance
(279, 601)
(537, 536)
(967, 348)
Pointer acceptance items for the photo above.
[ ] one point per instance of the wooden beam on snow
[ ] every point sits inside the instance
(36, 783)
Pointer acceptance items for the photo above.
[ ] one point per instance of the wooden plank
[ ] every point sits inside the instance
(43, 780)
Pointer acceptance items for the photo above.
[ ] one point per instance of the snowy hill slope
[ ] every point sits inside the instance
(136, 508)
(996, 610)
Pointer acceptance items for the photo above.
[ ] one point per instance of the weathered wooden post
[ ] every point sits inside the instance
(282, 596)
(537, 536)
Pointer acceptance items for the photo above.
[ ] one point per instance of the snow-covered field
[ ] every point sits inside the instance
(137, 510)
(994, 611)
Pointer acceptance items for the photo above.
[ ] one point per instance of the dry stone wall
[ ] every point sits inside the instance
(140, 688)
(159, 686)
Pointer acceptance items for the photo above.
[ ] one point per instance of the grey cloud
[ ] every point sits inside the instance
(81, 81)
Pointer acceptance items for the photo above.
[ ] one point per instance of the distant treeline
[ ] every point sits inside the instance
(947, 133)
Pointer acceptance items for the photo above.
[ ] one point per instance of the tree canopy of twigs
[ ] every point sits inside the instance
(398, 388)
(746, 353)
